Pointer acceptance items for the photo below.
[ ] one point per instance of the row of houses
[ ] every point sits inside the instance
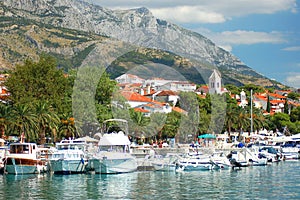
(159, 95)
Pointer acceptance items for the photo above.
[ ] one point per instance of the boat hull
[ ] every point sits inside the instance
(113, 166)
(62, 166)
(195, 166)
(164, 167)
(23, 166)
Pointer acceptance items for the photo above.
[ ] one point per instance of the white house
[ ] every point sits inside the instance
(184, 86)
(129, 78)
(166, 96)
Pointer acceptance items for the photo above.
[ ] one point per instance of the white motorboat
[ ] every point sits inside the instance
(113, 155)
(270, 153)
(290, 153)
(195, 162)
(220, 161)
(2, 158)
(248, 157)
(164, 163)
(24, 158)
(69, 157)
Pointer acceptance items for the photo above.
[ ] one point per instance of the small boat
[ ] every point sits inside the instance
(254, 157)
(2, 158)
(164, 163)
(270, 153)
(289, 153)
(24, 158)
(220, 161)
(237, 159)
(113, 155)
(68, 158)
(195, 162)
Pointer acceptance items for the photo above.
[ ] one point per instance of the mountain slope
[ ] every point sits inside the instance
(139, 27)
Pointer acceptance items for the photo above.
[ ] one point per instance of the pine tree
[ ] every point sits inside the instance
(268, 105)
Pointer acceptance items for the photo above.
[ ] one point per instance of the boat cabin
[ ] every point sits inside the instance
(71, 145)
(23, 148)
(114, 142)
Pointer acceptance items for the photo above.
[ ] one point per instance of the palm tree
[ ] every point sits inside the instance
(171, 127)
(67, 127)
(231, 120)
(138, 123)
(189, 125)
(24, 121)
(243, 121)
(204, 121)
(46, 119)
(5, 115)
(258, 120)
(157, 121)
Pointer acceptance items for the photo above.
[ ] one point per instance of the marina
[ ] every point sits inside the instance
(112, 167)
(114, 154)
(274, 181)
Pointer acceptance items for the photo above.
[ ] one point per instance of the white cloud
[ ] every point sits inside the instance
(187, 14)
(203, 11)
(227, 39)
(294, 48)
(293, 79)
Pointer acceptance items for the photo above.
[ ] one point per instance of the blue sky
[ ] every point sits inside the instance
(264, 34)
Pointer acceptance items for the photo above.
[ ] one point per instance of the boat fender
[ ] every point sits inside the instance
(82, 161)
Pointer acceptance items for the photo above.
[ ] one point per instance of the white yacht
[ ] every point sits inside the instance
(69, 157)
(113, 155)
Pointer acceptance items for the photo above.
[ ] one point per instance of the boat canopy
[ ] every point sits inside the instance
(207, 136)
(115, 139)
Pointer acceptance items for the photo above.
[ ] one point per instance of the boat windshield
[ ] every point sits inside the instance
(115, 148)
(270, 150)
(20, 149)
(70, 146)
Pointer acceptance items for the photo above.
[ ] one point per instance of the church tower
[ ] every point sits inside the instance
(215, 83)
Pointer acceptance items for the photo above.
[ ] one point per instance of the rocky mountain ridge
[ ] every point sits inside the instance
(136, 26)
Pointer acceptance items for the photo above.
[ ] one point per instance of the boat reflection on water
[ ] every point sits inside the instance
(20, 177)
(274, 181)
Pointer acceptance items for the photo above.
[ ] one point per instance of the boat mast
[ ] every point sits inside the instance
(251, 110)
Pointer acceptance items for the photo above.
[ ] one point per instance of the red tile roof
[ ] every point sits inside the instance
(276, 101)
(202, 96)
(177, 109)
(133, 96)
(278, 96)
(167, 93)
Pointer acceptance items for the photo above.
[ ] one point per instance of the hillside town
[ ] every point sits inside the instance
(160, 95)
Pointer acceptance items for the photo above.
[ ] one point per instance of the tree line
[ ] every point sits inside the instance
(42, 99)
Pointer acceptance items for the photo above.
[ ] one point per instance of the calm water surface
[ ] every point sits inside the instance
(275, 181)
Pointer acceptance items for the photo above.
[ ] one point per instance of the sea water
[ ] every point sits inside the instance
(275, 181)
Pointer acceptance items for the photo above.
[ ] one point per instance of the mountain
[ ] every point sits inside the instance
(135, 26)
